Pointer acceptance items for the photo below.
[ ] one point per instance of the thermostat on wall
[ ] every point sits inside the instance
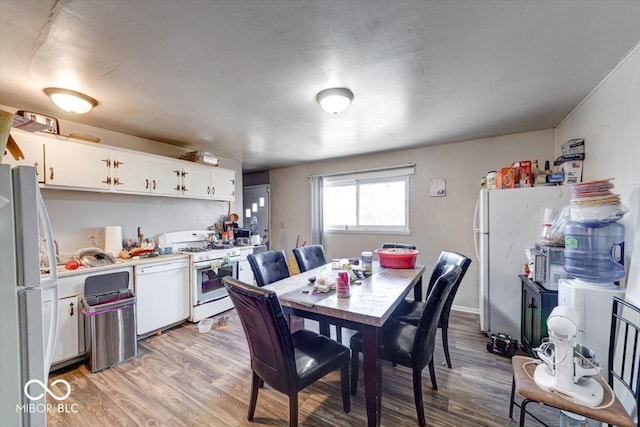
(437, 187)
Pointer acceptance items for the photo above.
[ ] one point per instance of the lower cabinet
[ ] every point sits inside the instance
(70, 344)
(69, 317)
(537, 304)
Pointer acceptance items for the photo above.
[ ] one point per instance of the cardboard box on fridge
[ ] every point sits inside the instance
(572, 171)
(505, 178)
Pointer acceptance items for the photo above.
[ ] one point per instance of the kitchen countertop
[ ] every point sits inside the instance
(63, 272)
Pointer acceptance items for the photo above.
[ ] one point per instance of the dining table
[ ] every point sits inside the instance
(369, 305)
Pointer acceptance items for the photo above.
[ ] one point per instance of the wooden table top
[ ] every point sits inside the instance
(370, 303)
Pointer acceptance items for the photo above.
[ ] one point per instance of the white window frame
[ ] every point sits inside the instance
(366, 177)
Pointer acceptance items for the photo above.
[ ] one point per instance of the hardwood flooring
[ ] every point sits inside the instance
(184, 378)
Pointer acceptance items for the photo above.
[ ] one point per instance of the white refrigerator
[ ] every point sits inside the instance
(24, 359)
(505, 222)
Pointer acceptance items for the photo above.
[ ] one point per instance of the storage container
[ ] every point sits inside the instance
(109, 310)
(397, 258)
(594, 251)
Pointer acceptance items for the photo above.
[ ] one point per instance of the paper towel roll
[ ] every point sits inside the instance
(113, 239)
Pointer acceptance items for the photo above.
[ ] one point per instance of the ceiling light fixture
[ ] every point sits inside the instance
(335, 100)
(70, 100)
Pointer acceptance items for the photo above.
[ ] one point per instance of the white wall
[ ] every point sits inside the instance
(609, 121)
(78, 215)
(436, 223)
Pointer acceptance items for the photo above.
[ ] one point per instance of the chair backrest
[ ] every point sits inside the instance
(398, 245)
(624, 347)
(446, 259)
(309, 257)
(270, 343)
(268, 266)
(424, 341)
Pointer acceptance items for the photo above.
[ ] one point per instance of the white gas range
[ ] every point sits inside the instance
(208, 265)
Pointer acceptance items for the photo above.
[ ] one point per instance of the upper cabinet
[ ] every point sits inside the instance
(84, 166)
(32, 147)
(63, 163)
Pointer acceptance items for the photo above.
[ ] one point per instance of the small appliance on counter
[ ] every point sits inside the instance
(549, 266)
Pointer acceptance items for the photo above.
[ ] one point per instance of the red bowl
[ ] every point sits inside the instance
(397, 257)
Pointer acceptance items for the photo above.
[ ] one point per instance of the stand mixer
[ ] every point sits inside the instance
(563, 372)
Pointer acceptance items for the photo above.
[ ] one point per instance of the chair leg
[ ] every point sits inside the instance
(339, 334)
(344, 382)
(355, 365)
(513, 397)
(445, 345)
(417, 395)
(432, 374)
(293, 410)
(255, 384)
(523, 410)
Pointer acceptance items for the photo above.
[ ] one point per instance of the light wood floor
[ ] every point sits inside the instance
(184, 378)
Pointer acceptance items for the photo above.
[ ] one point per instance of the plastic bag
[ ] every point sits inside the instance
(555, 234)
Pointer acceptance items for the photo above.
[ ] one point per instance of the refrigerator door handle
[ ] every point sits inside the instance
(50, 282)
(476, 228)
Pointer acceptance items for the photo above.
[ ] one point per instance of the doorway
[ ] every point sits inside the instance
(255, 200)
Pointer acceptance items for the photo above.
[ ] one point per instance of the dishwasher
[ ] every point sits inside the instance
(162, 290)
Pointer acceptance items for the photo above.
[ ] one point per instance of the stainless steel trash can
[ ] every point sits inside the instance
(109, 310)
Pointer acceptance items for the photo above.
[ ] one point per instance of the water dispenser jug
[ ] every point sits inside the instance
(594, 251)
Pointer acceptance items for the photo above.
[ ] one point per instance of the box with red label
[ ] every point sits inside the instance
(525, 169)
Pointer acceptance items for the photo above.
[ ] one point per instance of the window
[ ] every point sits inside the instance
(375, 201)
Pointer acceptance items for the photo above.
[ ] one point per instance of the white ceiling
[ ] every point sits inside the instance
(239, 78)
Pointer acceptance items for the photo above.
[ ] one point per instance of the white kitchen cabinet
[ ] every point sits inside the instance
(76, 164)
(32, 146)
(69, 317)
(245, 274)
(196, 181)
(144, 174)
(130, 172)
(224, 184)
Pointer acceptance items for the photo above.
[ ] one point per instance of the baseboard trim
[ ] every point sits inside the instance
(464, 309)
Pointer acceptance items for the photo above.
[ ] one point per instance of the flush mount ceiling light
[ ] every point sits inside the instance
(335, 100)
(70, 100)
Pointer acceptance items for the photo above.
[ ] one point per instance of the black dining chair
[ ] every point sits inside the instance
(286, 361)
(411, 345)
(398, 245)
(309, 257)
(411, 311)
(268, 266)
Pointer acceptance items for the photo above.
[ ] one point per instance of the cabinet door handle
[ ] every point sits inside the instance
(178, 188)
(116, 181)
(70, 309)
(106, 181)
(213, 190)
(51, 174)
(184, 188)
(184, 174)
(177, 173)
(154, 184)
(35, 165)
(116, 163)
(146, 183)
(107, 161)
